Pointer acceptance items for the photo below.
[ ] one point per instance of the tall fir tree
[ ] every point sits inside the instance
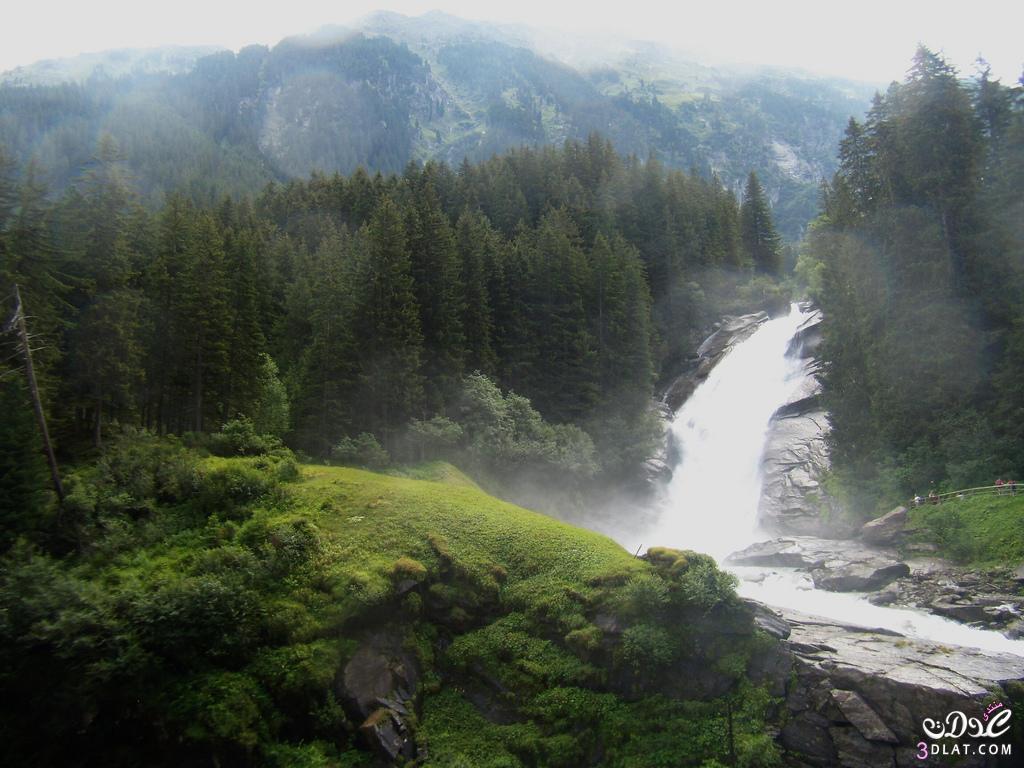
(388, 327)
(761, 242)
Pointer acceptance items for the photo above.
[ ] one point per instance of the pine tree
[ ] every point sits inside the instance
(203, 322)
(566, 389)
(760, 240)
(476, 244)
(108, 361)
(434, 266)
(23, 474)
(321, 309)
(388, 327)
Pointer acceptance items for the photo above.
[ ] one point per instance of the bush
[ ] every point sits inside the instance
(361, 451)
(646, 648)
(228, 489)
(238, 437)
(434, 437)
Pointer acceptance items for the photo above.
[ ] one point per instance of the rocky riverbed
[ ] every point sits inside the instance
(987, 599)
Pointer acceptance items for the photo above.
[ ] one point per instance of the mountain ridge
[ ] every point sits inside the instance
(393, 89)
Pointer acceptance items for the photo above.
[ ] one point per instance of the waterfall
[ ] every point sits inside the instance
(719, 434)
(712, 500)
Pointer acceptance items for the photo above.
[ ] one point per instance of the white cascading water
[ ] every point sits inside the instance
(714, 493)
(720, 433)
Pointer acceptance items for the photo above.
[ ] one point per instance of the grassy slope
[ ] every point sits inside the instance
(983, 530)
(214, 623)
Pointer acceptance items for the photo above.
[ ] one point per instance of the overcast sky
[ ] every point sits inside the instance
(869, 40)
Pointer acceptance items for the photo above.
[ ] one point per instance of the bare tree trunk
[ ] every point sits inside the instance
(33, 387)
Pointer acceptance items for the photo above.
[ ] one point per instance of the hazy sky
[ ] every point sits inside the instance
(869, 40)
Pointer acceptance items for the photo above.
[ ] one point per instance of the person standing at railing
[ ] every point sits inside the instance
(1013, 487)
(999, 486)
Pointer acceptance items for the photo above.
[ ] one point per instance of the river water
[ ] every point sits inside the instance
(712, 500)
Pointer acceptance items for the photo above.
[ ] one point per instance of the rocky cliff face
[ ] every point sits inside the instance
(796, 459)
(728, 333)
(858, 697)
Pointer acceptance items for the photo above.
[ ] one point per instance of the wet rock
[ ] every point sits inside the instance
(729, 332)
(885, 530)
(780, 553)
(879, 687)
(768, 620)
(807, 338)
(794, 461)
(388, 735)
(859, 577)
(656, 471)
(835, 565)
(886, 597)
(989, 599)
(969, 611)
(732, 331)
(1015, 631)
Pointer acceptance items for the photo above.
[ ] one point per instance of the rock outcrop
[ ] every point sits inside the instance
(728, 333)
(857, 696)
(834, 565)
(378, 687)
(886, 530)
(796, 458)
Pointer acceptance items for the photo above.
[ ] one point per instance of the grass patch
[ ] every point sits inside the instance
(983, 530)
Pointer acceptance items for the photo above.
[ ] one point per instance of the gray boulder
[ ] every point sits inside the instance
(859, 576)
(885, 530)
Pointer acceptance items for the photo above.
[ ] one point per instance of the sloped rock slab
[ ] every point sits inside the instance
(858, 696)
(731, 331)
(859, 577)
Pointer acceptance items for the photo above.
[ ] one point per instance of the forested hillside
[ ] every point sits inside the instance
(408, 89)
(918, 262)
(518, 310)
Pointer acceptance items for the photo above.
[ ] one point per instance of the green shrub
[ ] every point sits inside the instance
(434, 437)
(361, 451)
(646, 648)
(238, 437)
(229, 488)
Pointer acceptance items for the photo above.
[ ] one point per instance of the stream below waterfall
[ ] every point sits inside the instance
(712, 500)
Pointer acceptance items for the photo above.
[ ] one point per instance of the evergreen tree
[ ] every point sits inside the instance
(434, 266)
(23, 474)
(477, 245)
(760, 240)
(107, 363)
(388, 327)
(322, 305)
